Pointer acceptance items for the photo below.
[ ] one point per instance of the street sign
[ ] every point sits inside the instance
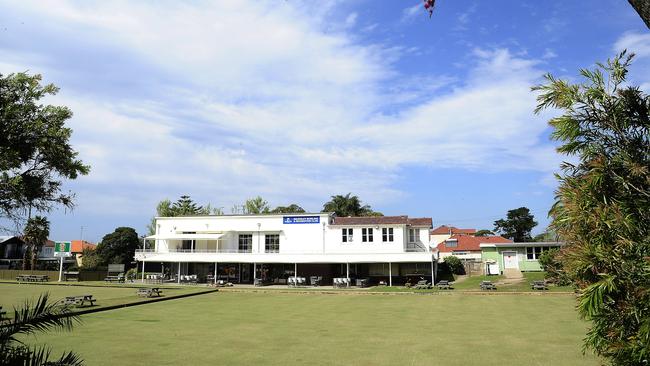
(62, 249)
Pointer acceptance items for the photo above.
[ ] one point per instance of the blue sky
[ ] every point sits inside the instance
(294, 102)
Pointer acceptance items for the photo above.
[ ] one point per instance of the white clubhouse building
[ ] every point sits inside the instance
(272, 248)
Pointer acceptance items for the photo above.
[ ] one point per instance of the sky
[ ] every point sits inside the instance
(296, 101)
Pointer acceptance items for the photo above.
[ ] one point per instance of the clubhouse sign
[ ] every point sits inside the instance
(301, 220)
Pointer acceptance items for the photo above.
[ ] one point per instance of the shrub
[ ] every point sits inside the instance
(455, 265)
(550, 261)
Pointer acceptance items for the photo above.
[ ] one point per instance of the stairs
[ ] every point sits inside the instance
(512, 273)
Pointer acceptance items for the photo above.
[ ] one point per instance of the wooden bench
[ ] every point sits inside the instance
(32, 278)
(445, 285)
(149, 292)
(538, 285)
(71, 276)
(111, 279)
(422, 285)
(488, 285)
(79, 301)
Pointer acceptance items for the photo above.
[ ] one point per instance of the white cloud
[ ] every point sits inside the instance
(351, 20)
(260, 100)
(412, 11)
(634, 42)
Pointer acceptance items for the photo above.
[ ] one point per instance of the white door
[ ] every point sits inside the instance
(510, 260)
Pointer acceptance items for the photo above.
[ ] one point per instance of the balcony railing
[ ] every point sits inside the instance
(175, 250)
(416, 247)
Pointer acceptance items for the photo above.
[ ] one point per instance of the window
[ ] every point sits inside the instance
(272, 243)
(460, 252)
(366, 234)
(387, 234)
(453, 243)
(245, 243)
(533, 253)
(347, 235)
(414, 235)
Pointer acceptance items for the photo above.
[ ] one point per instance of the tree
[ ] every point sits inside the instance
(551, 262)
(484, 232)
(117, 247)
(602, 206)
(35, 236)
(547, 235)
(35, 152)
(348, 205)
(642, 7)
(256, 205)
(454, 264)
(29, 320)
(184, 206)
(292, 208)
(517, 225)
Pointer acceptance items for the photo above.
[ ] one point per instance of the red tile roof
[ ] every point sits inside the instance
(79, 245)
(470, 243)
(383, 220)
(444, 229)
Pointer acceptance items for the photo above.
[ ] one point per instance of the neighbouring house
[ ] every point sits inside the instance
(12, 249)
(272, 249)
(466, 247)
(76, 249)
(524, 257)
(444, 232)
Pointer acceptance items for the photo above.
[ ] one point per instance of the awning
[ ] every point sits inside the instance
(177, 236)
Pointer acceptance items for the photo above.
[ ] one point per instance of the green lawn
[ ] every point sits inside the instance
(12, 294)
(245, 328)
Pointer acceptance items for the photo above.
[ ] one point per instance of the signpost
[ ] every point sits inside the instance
(62, 249)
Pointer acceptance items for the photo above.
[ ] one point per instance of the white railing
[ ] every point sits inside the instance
(415, 247)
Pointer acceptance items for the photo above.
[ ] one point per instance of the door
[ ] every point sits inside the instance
(510, 260)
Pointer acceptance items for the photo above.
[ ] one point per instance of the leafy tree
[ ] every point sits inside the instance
(29, 320)
(35, 152)
(35, 236)
(117, 247)
(256, 205)
(292, 208)
(90, 259)
(454, 264)
(602, 207)
(483, 232)
(551, 263)
(184, 206)
(348, 205)
(517, 225)
(547, 235)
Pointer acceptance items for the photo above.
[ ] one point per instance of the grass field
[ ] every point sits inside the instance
(244, 328)
(12, 294)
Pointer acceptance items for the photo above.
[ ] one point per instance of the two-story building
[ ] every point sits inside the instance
(242, 248)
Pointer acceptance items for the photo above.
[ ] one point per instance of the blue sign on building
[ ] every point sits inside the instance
(301, 220)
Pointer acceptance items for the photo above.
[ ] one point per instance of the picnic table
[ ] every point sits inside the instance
(488, 285)
(32, 278)
(445, 285)
(538, 285)
(422, 285)
(79, 300)
(149, 291)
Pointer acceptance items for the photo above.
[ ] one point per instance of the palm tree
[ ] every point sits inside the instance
(348, 205)
(36, 232)
(30, 319)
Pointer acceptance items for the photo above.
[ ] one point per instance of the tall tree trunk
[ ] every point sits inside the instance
(34, 257)
(642, 7)
(26, 256)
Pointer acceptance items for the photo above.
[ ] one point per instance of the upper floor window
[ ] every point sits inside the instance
(414, 235)
(245, 243)
(366, 234)
(272, 243)
(347, 235)
(387, 234)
